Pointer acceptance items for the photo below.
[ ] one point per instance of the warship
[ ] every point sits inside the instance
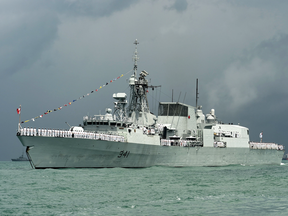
(131, 136)
(21, 158)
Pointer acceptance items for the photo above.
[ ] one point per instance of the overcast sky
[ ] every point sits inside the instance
(52, 52)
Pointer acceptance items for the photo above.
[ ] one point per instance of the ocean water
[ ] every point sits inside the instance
(229, 190)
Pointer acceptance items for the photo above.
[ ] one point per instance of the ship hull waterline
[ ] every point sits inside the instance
(56, 152)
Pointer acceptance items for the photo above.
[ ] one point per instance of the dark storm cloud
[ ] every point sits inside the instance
(275, 50)
(259, 72)
(253, 90)
(179, 6)
(22, 46)
(30, 27)
(92, 8)
(260, 4)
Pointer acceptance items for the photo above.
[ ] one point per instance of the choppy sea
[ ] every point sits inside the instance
(229, 190)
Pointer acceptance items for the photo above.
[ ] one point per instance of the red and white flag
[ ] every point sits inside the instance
(18, 110)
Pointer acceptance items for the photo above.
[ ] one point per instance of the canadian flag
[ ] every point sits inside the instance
(18, 110)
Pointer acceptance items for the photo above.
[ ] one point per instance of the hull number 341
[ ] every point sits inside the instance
(124, 154)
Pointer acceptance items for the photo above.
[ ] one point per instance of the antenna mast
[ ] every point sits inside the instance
(197, 93)
(135, 58)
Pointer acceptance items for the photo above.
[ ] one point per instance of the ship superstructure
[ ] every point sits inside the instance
(131, 136)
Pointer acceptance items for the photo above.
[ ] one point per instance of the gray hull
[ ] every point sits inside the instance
(55, 152)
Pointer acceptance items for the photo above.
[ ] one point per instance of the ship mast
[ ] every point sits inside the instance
(138, 103)
(135, 58)
(197, 94)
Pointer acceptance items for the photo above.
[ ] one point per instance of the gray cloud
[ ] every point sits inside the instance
(28, 28)
(259, 72)
(22, 46)
(179, 6)
(92, 8)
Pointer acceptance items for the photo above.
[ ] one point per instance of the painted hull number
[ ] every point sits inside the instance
(123, 154)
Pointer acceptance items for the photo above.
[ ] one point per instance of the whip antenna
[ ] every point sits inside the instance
(197, 93)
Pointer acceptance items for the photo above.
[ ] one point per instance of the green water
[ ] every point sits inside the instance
(230, 190)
